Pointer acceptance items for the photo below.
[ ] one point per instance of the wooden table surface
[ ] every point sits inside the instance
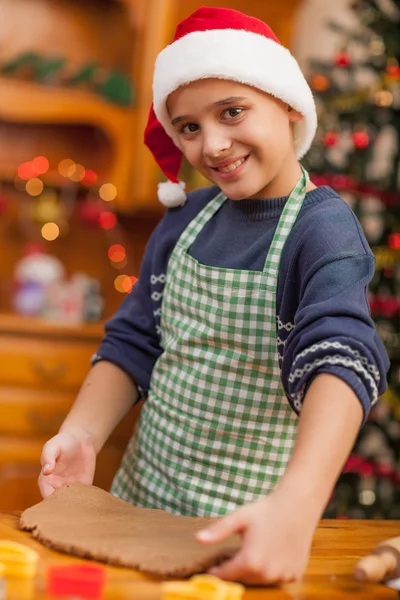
(337, 546)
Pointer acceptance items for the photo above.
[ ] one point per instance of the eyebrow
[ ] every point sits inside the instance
(223, 102)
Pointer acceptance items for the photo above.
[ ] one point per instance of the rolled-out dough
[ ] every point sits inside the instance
(86, 521)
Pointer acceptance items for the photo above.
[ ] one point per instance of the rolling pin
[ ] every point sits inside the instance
(383, 563)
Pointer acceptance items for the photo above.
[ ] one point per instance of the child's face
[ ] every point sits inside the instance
(222, 124)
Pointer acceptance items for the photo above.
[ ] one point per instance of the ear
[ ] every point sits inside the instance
(294, 115)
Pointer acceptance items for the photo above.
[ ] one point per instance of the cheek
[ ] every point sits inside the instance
(192, 151)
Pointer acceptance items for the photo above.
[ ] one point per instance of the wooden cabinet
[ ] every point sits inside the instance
(61, 121)
(41, 369)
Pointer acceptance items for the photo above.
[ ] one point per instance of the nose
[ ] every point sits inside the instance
(215, 143)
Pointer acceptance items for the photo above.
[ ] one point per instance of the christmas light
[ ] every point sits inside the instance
(71, 170)
(108, 192)
(50, 231)
(127, 285)
(64, 167)
(77, 173)
(89, 178)
(34, 187)
(119, 283)
(116, 253)
(107, 220)
(320, 83)
(384, 98)
(40, 165)
(26, 171)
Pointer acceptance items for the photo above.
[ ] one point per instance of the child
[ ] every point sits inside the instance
(251, 308)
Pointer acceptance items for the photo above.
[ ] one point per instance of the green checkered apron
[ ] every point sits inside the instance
(216, 430)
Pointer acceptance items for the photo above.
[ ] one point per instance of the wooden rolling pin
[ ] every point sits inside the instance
(383, 563)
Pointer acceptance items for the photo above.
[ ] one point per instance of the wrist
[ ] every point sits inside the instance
(79, 433)
(306, 500)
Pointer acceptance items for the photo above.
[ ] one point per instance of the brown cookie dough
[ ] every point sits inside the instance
(86, 521)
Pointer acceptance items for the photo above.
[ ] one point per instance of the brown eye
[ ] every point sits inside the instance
(231, 113)
(189, 128)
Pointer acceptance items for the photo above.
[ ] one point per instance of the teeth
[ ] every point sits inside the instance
(231, 167)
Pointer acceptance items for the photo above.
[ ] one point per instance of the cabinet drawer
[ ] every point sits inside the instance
(55, 364)
(39, 413)
(32, 413)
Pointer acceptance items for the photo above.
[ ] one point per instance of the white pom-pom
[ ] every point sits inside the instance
(172, 194)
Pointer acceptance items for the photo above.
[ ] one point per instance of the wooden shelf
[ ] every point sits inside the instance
(31, 326)
(31, 102)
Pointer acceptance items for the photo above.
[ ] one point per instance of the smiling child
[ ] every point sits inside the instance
(248, 333)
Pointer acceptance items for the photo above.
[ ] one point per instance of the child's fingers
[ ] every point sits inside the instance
(223, 528)
(230, 570)
(50, 453)
(46, 489)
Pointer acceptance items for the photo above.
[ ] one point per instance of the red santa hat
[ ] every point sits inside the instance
(225, 44)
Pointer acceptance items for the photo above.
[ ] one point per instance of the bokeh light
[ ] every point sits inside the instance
(50, 231)
(108, 192)
(65, 166)
(116, 253)
(107, 220)
(26, 171)
(77, 173)
(34, 187)
(40, 165)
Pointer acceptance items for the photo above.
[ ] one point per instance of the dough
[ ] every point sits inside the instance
(86, 521)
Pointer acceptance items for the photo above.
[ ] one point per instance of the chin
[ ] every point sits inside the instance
(237, 193)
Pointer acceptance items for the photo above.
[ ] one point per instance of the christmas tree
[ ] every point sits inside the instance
(357, 152)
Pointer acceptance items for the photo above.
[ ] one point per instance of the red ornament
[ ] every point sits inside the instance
(342, 59)
(394, 241)
(393, 71)
(89, 211)
(330, 139)
(361, 139)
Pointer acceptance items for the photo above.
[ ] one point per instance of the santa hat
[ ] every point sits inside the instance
(225, 44)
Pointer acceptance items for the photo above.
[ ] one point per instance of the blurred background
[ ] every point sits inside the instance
(78, 201)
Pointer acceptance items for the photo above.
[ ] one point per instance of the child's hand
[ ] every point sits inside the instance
(66, 458)
(276, 535)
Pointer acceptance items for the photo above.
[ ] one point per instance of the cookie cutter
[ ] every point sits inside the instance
(81, 580)
(18, 561)
(202, 587)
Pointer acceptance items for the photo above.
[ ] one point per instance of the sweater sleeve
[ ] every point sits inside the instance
(131, 341)
(333, 332)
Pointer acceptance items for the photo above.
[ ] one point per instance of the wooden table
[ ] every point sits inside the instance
(337, 546)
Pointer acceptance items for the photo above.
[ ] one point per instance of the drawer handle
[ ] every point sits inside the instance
(50, 373)
(44, 423)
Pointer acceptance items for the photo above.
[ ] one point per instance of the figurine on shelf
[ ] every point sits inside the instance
(33, 274)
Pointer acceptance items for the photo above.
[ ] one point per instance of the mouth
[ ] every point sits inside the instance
(231, 169)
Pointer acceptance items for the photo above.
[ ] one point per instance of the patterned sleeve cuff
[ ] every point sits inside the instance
(336, 358)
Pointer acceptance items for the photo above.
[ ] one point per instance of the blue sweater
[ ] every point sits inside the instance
(323, 319)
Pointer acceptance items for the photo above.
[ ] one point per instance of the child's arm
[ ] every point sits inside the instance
(70, 457)
(277, 530)
(104, 399)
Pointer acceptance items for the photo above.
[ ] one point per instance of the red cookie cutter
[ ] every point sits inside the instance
(80, 580)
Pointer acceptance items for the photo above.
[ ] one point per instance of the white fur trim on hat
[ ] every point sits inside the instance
(172, 194)
(241, 56)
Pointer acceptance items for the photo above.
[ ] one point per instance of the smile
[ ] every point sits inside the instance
(231, 170)
(232, 166)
